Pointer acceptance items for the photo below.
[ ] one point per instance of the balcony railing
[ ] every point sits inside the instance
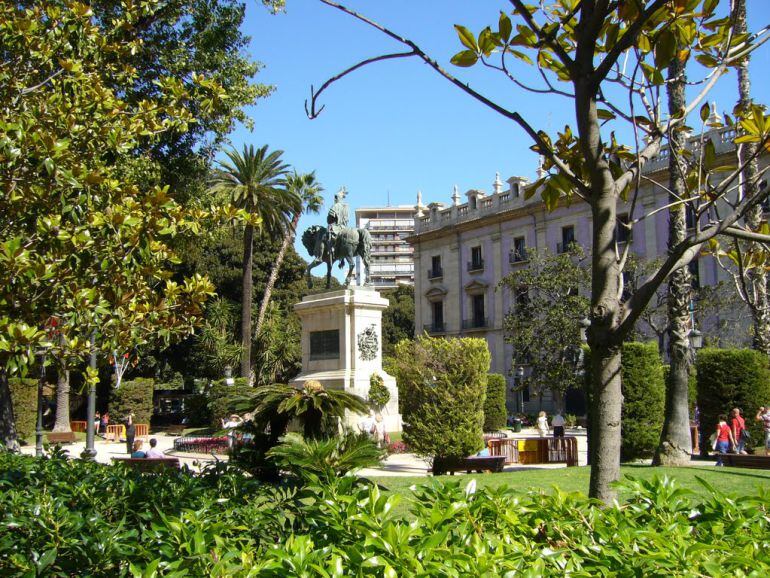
(476, 265)
(434, 328)
(518, 256)
(435, 273)
(476, 323)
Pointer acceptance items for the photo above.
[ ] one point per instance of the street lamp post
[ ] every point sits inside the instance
(39, 426)
(89, 453)
(518, 379)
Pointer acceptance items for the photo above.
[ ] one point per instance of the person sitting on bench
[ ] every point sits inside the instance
(154, 452)
(138, 453)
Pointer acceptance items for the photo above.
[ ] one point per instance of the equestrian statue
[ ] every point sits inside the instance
(337, 242)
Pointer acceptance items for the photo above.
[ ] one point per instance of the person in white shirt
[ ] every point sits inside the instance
(154, 452)
(368, 425)
(558, 423)
(234, 422)
(542, 424)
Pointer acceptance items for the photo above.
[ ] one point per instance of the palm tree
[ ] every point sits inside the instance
(308, 190)
(312, 405)
(255, 182)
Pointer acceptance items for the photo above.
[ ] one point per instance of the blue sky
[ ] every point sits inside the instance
(394, 127)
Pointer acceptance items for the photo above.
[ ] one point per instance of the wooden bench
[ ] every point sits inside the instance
(65, 437)
(78, 426)
(756, 462)
(472, 464)
(175, 430)
(144, 465)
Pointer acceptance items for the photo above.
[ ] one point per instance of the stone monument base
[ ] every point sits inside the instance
(342, 346)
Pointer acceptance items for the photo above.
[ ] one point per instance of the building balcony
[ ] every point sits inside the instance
(475, 265)
(435, 273)
(434, 328)
(476, 323)
(518, 257)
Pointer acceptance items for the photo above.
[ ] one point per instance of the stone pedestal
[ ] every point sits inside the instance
(342, 345)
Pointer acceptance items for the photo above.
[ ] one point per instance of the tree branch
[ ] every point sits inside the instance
(546, 39)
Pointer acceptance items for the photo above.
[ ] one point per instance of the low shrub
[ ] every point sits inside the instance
(495, 412)
(134, 396)
(442, 387)
(75, 518)
(729, 378)
(24, 399)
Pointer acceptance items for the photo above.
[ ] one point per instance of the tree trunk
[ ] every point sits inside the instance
(604, 338)
(675, 443)
(248, 286)
(62, 423)
(7, 421)
(287, 240)
(757, 276)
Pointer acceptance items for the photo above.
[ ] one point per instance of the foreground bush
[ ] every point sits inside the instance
(729, 378)
(442, 384)
(60, 518)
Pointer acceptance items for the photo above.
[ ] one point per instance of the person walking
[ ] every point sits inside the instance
(738, 427)
(542, 424)
(724, 437)
(130, 432)
(763, 415)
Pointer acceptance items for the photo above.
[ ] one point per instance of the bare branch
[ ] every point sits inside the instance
(312, 112)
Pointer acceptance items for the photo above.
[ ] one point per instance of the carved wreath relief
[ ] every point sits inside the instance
(368, 343)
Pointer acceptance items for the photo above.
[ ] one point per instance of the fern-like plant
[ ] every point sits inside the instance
(326, 459)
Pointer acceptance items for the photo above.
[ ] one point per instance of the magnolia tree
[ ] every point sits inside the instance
(590, 52)
(82, 240)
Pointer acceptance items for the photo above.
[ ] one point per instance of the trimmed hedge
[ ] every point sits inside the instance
(223, 399)
(495, 412)
(378, 396)
(132, 396)
(442, 384)
(729, 378)
(24, 398)
(644, 400)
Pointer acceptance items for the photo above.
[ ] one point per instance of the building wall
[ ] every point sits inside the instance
(392, 263)
(451, 231)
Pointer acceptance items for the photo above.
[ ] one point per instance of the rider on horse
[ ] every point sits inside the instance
(336, 220)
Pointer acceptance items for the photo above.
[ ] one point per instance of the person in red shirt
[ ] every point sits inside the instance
(738, 426)
(724, 439)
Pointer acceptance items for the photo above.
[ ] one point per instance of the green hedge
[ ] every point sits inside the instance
(729, 378)
(224, 399)
(644, 398)
(24, 397)
(495, 412)
(442, 386)
(132, 396)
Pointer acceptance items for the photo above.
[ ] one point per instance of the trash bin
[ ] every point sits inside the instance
(516, 425)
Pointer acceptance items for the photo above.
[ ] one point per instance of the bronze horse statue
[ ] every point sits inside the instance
(348, 244)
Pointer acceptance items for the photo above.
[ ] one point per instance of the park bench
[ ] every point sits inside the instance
(746, 461)
(472, 464)
(66, 437)
(149, 464)
(175, 430)
(78, 426)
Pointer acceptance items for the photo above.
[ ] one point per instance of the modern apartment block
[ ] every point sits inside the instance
(463, 250)
(392, 263)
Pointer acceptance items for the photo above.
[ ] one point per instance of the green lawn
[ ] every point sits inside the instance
(731, 480)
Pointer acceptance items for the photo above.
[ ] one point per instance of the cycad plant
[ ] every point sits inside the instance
(254, 181)
(318, 409)
(326, 459)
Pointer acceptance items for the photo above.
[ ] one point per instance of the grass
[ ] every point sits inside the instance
(736, 481)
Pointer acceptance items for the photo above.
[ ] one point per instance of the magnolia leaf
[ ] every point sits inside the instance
(467, 37)
(504, 27)
(704, 112)
(465, 58)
